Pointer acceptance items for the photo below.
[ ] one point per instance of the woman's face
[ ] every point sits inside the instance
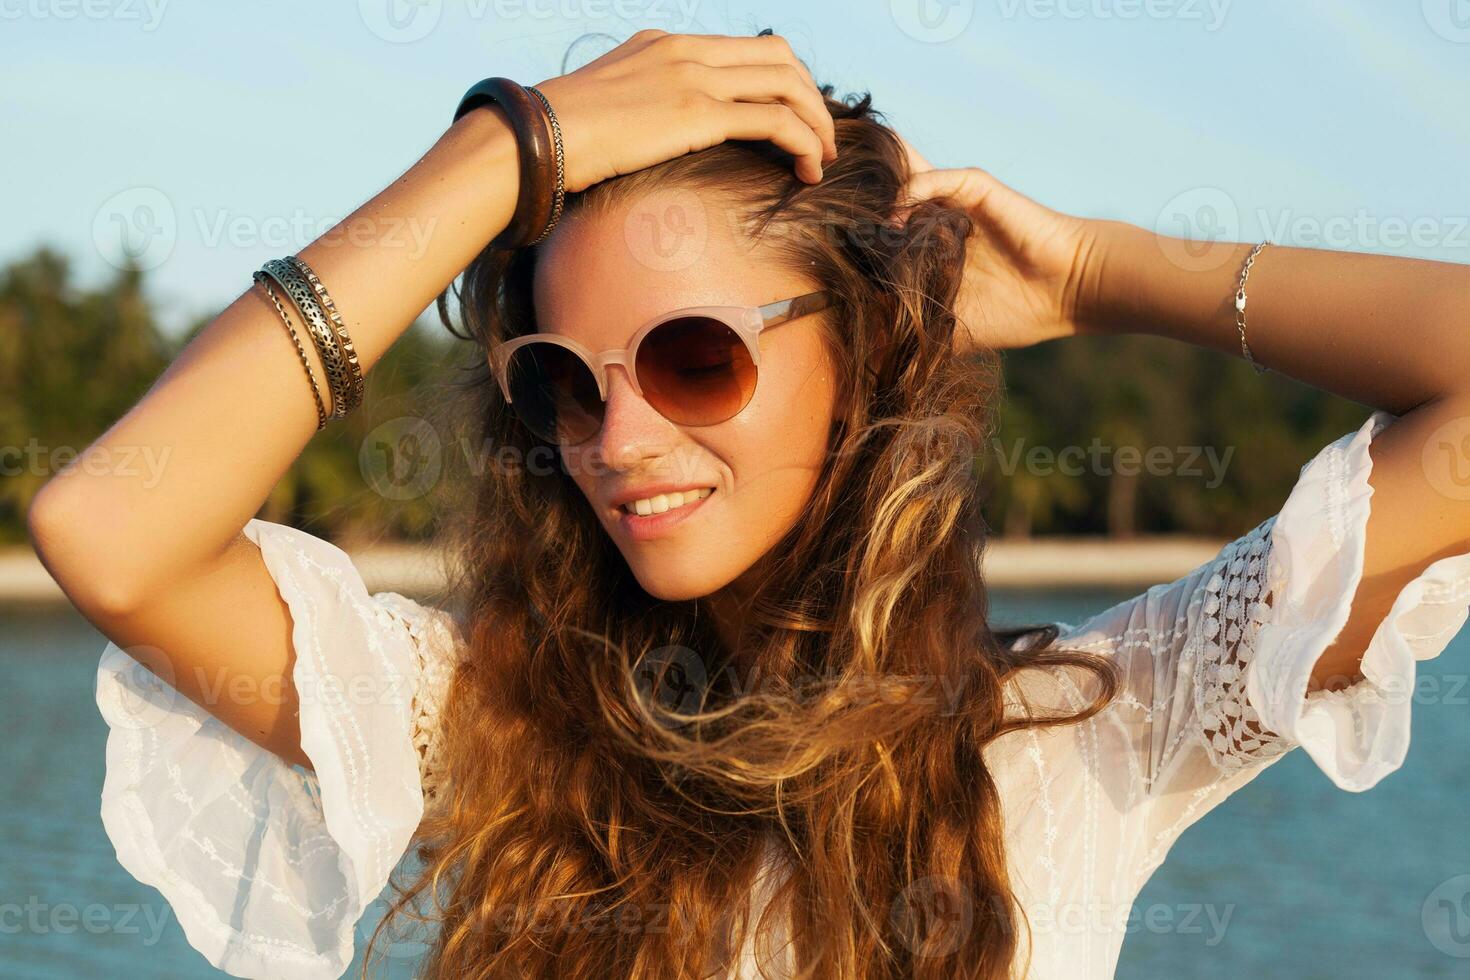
(601, 277)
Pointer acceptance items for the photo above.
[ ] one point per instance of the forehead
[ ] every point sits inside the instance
(603, 274)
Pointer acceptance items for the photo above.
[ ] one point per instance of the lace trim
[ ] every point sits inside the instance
(435, 645)
(1236, 603)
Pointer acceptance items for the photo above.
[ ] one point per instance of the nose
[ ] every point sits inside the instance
(632, 430)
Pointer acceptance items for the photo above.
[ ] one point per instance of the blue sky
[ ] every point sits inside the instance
(229, 134)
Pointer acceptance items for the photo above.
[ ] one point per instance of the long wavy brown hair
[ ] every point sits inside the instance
(615, 777)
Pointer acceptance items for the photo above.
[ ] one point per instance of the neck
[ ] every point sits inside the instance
(729, 608)
(729, 612)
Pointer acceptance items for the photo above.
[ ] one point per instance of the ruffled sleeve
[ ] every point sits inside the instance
(1262, 636)
(1216, 665)
(268, 867)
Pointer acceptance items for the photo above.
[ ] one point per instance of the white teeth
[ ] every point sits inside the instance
(666, 501)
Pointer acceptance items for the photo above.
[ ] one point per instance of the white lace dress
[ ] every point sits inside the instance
(269, 869)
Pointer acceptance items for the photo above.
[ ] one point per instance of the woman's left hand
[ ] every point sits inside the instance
(1027, 267)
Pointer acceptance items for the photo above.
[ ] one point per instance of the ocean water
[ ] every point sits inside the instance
(1289, 878)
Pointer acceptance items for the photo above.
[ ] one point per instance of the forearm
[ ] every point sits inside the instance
(235, 409)
(1390, 332)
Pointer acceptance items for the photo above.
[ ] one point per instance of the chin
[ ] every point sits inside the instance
(676, 581)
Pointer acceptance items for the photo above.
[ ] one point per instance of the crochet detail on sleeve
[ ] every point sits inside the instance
(1236, 602)
(436, 644)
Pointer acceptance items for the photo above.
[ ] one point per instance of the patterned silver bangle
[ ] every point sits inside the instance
(354, 395)
(304, 297)
(316, 391)
(1245, 272)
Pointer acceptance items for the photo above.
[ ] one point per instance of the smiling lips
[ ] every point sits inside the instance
(659, 503)
(650, 518)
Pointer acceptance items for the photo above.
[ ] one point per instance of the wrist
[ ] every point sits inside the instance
(1141, 282)
(1106, 296)
(481, 162)
(486, 135)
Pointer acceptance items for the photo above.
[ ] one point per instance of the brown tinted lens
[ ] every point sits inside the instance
(695, 370)
(554, 392)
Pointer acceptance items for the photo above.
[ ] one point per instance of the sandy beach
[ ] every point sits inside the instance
(1038, 563)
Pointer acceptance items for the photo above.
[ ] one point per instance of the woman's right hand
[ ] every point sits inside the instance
(658, 95)
(1027, 268)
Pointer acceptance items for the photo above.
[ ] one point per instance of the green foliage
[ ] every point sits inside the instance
(74, 361)
(1216, 447)
(71, 363)
(1228, 444)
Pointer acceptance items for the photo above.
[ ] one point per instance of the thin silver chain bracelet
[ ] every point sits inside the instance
(1240, 305)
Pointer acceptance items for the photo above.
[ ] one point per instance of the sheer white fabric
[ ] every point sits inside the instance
(269, 869)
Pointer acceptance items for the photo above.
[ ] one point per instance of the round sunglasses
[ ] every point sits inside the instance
(695, 366)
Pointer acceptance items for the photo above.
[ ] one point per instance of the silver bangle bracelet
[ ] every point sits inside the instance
(316, 391)
(353, 396)
(304, 297)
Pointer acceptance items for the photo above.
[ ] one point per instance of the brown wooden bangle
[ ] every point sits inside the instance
(534, 151)
(559, 191)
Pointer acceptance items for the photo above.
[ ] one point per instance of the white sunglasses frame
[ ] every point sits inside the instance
(746, 321)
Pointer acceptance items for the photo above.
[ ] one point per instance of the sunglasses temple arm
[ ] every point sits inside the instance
(789, 309)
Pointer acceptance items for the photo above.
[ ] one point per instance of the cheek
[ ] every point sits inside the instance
(778, 445)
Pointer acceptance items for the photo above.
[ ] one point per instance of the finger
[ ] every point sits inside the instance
(720, 51)
(776, 83)
(957, 184)
(969, 188)
(778, 123)
(966, 186)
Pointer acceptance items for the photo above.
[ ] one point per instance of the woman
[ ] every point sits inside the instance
(723, 698)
